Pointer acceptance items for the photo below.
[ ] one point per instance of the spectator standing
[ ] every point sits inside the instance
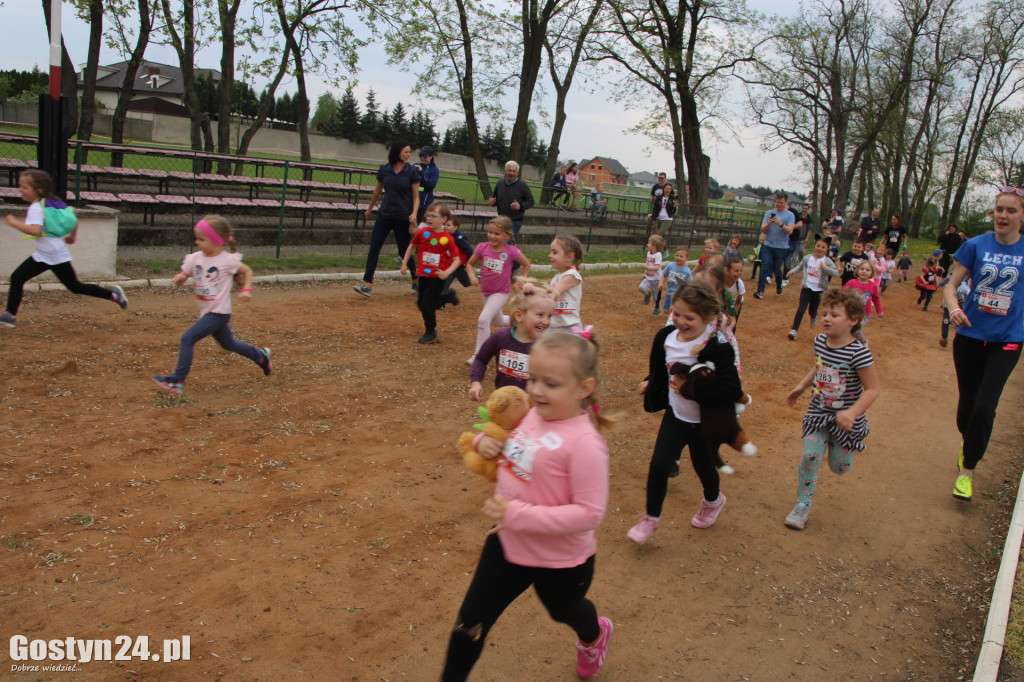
(870, 227)
(949, 243)
(778, 224)
(512, 196)
(572, 177)
(804, 230)
(429, 175)
(663, 210)
(896, 235)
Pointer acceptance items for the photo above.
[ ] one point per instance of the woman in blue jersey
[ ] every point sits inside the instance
(990, 328)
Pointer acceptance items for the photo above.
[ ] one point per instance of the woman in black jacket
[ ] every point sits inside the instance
(663, 210)
(689, 341)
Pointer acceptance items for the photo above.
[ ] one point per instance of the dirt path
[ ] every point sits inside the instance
(319, 523)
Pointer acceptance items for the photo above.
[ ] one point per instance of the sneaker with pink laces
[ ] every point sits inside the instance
(708, 512)
(590, 659)
(643, 529)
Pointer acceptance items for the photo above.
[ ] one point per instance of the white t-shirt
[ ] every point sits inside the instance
(211, 279)
(739, 288)
(567, 305)
(815, 279)
(49, 250)
(653, 261)
(685, 352)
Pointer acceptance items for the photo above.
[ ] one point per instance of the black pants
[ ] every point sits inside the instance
(497, 583)
(982, 369)
(925, 296)
(809, 301)
(428, 297)
(673, 435)
(753, 271)
(30, 268)
(459, 274)
(381, 228)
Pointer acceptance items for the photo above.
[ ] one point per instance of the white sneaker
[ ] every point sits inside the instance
(814, 322)
(470, 360)
(785, 283)
(797, 518)
(726, 469)
(792, 335)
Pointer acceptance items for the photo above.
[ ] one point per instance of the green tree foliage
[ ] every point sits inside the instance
(342, 118)
(14, 83)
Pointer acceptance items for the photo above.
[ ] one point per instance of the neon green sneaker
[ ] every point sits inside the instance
(963, 488)
(960, 459)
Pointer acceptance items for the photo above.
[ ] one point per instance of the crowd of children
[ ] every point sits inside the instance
(552, 484)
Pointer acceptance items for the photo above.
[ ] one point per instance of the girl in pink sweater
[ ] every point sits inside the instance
(866, 286)
(551, 496)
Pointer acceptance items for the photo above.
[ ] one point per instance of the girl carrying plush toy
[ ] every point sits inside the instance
(497, 258)
(689, 340)
(551, 496)
(51, 253)
(532, 308)
(844, 383)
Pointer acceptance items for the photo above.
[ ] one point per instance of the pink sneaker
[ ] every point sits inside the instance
(590, 659)
(708, 512)
(643, 529)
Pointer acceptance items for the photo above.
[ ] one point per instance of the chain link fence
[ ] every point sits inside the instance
(160, 192)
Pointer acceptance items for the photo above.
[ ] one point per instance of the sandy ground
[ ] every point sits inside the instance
(318, 523)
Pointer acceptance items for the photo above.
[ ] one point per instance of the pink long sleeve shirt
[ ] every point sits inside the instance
(869, 293)
(555, 476)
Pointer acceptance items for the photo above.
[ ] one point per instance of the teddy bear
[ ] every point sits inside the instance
(718, 423)
(505, 408)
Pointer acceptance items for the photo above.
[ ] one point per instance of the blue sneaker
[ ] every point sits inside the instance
(364, 290)
(266, 365)
(7, 320)
(168, 385)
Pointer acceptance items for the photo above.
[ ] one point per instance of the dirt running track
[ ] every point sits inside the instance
(318, 524)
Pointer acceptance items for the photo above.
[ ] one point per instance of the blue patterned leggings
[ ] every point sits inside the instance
(840, 460)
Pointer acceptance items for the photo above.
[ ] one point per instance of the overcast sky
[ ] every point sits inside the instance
(595, 125)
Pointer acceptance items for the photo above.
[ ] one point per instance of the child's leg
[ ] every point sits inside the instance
(668, 446)
(814, 298)
(495, 585)
(491, 314)
(801, 308)
(840, 459)
(807, 475)
(66, 274)
(227, 341)
(753, 271)
(945, 324)
(428, 297)
(885, 284)
(703, 461)
(657, 298)
(563, 591)
(28, 269)
(928, 298)
(206, 325)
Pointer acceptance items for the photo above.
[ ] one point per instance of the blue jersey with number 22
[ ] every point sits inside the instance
(995, 305)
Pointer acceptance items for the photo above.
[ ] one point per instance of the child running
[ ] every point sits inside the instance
(734, 249)
(885, 267)
(652, 272)
(816, 267)
(566, 256)
(551, 495)
(212, 270)
(437, 258)
(51, 253)
(496, 257)
(844, 383)
(688, 340)
(531, 316)
(866, 286)
(927, 282)
(904, 266)
(962, 292)
(674, 274)
(756, 257)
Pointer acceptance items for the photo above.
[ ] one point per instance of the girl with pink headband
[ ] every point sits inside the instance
(212, 269)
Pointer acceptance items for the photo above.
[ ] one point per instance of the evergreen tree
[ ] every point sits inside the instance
(348, 117)
(285, 108)
(370, 125)
(208, 95)
(399, 123)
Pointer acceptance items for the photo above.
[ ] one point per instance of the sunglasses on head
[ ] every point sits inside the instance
(1019, 192)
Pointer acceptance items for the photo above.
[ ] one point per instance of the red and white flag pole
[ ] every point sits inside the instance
(55, 51)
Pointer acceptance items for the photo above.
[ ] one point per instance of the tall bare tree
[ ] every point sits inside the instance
(130, 41)
(93, 12)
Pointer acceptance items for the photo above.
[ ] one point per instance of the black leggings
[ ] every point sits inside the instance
(673, 435)
(65, 273)
(497, 583)
(381, 228)
(428, 298)
(982, 368)
(925, 296)
(809, 301)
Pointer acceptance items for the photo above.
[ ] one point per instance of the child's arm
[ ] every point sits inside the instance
(957, 317)
(456, 262)
(565, 284)
(245, 292)
(800, 388)
(488, 350)
(525, 263)
(471, 271)
(33, 230)
(405, 260)
(869, 378)
(73, 237)
(876, 300)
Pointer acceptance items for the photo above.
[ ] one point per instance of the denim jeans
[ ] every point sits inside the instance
(772, 261)
(215, 325)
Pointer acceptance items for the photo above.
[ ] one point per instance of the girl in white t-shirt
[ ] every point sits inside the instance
(816, 267)
(566, 256)
(51, 253)
(212, 270)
